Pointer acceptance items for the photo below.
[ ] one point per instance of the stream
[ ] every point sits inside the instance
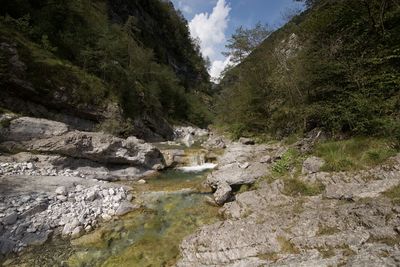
(173, 205)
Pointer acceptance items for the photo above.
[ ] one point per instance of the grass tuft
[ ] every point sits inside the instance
(287, 246)
(354, 154)
(393, 194)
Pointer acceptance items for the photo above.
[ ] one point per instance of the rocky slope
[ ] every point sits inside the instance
(348, 222)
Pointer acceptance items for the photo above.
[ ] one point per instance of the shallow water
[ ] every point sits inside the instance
(173, 208)
(151, 236)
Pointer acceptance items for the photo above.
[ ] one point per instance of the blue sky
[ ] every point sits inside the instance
(214, 21)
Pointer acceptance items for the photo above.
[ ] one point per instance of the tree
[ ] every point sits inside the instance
(308, 3)
(244, 41)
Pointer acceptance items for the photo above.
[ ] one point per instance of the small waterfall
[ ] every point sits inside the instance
(197, 159)
(197, 162)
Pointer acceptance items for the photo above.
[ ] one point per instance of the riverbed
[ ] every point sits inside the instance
(173, 205)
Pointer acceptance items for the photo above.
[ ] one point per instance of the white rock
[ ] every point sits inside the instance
(312, 165)
(61, 191)
(106, 217)
(244, 165)
(188, 140)
(91, 195)
(61, 198)
(88, 228)
(266, 159)
(111, 191)
(77, 232)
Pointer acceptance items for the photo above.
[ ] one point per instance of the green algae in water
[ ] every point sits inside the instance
(150, 237)
(173, 180)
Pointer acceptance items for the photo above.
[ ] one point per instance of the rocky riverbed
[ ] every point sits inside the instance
(62, 186)
(34, 208)
(59, 183)
(54, 180)
(347, 220)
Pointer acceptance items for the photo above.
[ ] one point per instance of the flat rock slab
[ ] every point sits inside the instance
(242, 164)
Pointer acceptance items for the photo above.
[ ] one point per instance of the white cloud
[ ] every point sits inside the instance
(185, 7)
(210, 29)
(217, 67)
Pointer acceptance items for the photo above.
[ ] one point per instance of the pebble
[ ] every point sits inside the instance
(73, 218)
(10, 219)
(29, 169)
(61, 190)
(77, 232)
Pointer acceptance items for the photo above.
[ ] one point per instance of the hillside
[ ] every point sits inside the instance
(127, 67)
(335, 66)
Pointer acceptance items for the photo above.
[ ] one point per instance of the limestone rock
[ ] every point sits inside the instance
(312, 165)
(27, 128)
(39, 135)
(10, 219)
(266, 159)
(214, 142)
(188, 140)
(223, 193)
(246, 141)
(124, 208)
(61, 190)
(35, 239)
(173, 157)
(239, 165)
(77, 232)
(91, 195)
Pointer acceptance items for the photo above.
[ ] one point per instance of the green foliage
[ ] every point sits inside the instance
(288, 160)
(394, 194)
(244, 41)
(148, 65)
(356, 153)
(47, 45)
(335, 67)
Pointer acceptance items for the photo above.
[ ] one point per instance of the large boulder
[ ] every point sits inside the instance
(26, 128)
(40, 135)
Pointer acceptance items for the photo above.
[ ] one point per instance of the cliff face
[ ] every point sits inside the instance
(121, 66)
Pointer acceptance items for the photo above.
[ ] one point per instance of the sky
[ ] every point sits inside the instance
(214, 21)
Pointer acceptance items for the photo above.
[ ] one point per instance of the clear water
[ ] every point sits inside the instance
(151, 236)
(173, 207)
